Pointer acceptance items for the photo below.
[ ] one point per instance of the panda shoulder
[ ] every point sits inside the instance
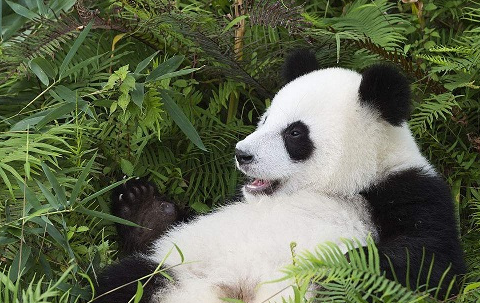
(414, 188)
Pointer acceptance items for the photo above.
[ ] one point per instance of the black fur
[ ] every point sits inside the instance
(127, 270)
(141, 203)
(299, 63)
(384, 88)
(297, 141)
(414, 210)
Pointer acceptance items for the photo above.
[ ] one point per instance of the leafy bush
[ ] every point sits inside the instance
(94, 90)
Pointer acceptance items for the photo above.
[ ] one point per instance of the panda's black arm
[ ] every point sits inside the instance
(139, 201)
(413, 210)
(118, 282)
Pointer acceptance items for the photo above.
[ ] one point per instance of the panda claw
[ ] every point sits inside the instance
(120, 198)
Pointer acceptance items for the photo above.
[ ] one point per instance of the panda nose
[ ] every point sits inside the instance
(243, 157)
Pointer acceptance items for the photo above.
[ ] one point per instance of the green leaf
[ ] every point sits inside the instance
(181, 120)
(42, 8)
(62, 5)
(37, 70)
(178, 73)
(113, 107)
(18, 267)
(233, 22)
(103, 190)
(42, 69)
(123, 101)
(471, 287)
(48, 195)
(74, 49)
(59, 191)
(22, 10)
(81, 180)
(105, 216)
(29, 122)
(128, 84)
(55, 114)
(6, 240)
(200, 207)
(138, 94)
(142, 65)
(65, 94)
(180, 253)
(122, 72)
(81, 65)
(139, 292)
(166, 67)
(112, 80)
(127, 167)
(30, 197)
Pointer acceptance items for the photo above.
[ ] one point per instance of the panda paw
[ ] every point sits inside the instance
(139, 201)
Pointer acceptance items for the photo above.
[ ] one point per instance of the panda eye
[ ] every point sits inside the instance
(294, 133)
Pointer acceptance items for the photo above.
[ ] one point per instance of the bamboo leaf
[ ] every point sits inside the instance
(138, 94)
(18, 267)
(181, 120)
(81, 180)
(57, 113)
(138, 293)
(22, 10)
(177, 73)
(105, 216)
(40, 71)
(74, 49)
(142, 65)
(59, 191)
(234, 22)
(165, 67)
(103, 190)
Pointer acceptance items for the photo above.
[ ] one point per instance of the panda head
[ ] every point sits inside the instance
(331, 130)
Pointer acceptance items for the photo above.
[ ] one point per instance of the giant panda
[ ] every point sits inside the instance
(331, 158)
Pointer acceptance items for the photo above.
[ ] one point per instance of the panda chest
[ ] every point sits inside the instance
(262, 231)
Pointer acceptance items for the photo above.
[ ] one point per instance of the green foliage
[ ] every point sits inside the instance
(93, 90)
(353, 277)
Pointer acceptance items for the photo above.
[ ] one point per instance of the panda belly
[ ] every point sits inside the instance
(228, 253)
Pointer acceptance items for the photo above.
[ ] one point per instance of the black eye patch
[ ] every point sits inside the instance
(296, 138)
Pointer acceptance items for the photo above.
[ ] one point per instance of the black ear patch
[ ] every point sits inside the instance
(299, 63)
(387, 90)
(297, 141)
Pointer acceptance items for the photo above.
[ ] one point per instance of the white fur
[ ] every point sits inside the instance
(246, 243)
(249, 242)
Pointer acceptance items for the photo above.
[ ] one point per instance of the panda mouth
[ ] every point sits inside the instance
(262, 186)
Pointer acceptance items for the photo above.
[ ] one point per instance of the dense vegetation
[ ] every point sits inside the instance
(94, 90)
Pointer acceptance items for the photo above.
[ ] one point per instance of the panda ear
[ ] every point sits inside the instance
(387, 90)
(299, 63)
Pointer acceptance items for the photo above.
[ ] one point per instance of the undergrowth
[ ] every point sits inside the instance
(94, 90)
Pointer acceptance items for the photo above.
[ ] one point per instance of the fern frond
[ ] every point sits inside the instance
(356, 278)
(371, 20)
(430, 110)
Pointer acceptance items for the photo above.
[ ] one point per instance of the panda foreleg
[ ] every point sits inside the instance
(140, 202)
